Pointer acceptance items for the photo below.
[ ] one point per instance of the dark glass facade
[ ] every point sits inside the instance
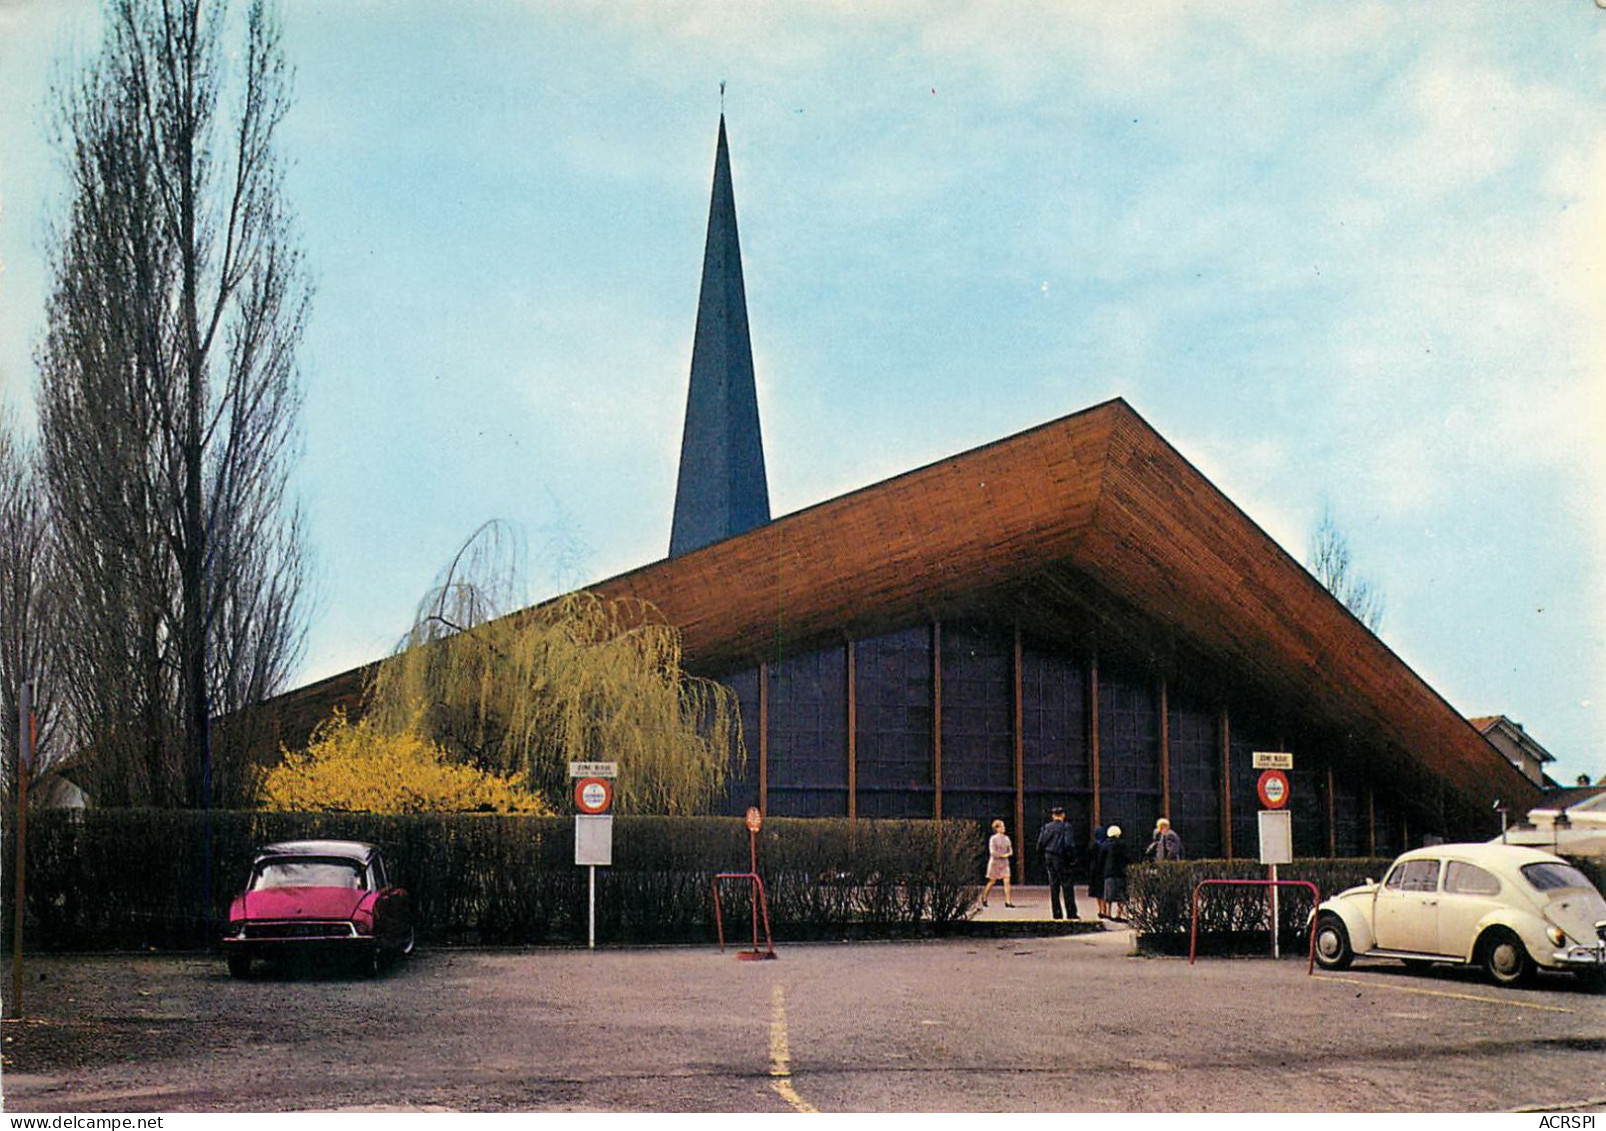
(1195, 777)
(1054, 744)
(1307, 801)
(978, 743)
(741, 784)
(895, 683)
(982, 721)
(1349, 817)
(808, 740)
(1129, 755)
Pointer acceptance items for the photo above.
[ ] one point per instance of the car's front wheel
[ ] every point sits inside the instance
(1332, 942)
(389, 958)
(239, 965)
(1505, 959)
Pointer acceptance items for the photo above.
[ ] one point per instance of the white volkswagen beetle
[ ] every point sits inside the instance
(1503, 907)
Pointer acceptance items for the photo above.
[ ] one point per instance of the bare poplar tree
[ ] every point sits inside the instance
(30, 642)
(1330, 562)
(169, 395)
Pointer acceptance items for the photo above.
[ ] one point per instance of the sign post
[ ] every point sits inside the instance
(1276, 827)
(755, 888)
(593, 828)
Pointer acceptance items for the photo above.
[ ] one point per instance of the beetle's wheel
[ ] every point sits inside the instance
(1505, 959)
(1332, 943)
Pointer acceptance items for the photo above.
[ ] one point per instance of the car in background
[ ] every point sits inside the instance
(318, 897)
(1501, 907)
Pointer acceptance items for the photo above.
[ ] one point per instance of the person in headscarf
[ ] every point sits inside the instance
(1095, 871)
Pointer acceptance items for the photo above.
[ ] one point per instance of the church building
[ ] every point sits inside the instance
(1072, 615)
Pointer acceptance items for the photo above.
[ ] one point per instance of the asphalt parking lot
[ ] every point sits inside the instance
(1073, 1023)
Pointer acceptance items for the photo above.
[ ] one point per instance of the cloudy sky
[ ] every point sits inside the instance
(1348, 256)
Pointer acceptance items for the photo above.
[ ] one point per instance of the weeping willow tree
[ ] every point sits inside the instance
(580, 678)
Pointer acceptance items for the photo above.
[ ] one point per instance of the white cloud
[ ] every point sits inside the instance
(1581, 264)
(1463, 120)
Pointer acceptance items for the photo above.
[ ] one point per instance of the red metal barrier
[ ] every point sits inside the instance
(760, 903)
(1315, 898)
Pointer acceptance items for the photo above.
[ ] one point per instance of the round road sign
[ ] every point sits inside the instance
(1273, 789)
(593, 795)
(755, 820)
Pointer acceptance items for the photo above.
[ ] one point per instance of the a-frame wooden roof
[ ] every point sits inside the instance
(1088, 526)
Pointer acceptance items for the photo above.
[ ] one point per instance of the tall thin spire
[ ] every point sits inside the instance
(722, 490)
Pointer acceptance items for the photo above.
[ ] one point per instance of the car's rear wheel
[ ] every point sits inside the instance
(239, 965)
(1332, 943)
(1505, 959)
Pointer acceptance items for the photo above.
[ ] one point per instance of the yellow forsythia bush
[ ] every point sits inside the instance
(359, 768)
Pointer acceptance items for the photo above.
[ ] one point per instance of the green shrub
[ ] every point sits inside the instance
(1237, 919)
(1232, 919)
(122, 879)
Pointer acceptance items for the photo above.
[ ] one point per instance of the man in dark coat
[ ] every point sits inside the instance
(1058, 849)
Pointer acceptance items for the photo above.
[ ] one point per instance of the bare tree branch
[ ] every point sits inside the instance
(169, 398)
(1330, 562)
(30, 638)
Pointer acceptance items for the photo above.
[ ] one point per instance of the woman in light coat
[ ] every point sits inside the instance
(999, 851)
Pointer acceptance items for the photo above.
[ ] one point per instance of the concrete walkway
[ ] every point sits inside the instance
(1032, 906)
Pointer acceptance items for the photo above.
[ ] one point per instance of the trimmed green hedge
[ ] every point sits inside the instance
(1233, 919)
(1237, 919)
(126, 879)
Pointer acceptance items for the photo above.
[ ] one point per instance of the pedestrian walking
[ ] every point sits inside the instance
(1095, 871)
(1166, 844)
(999, 851)
(1115, 861)
(1058, 847)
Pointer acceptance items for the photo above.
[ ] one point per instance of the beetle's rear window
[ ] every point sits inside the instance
(1553, 877)
(307, 874)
